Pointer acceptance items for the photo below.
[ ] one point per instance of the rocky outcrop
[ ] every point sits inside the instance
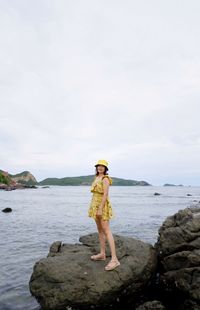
(7, 210)
(22, 180)
(178, 248)
(24, 177)
(67, 277)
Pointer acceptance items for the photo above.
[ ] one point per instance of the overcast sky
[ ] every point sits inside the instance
(87, 80)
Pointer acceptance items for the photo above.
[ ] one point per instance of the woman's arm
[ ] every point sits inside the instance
(106, 184)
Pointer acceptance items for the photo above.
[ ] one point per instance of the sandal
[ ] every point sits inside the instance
(112, 264)
(98, 257)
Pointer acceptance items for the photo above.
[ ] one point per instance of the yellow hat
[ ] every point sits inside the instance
(102, 162)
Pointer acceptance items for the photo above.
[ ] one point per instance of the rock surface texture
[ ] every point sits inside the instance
(178, 249)
(151, 305)
(68, 279)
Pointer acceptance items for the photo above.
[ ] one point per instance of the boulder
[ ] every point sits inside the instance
(178, 249)
(68, 279)
(6, 210)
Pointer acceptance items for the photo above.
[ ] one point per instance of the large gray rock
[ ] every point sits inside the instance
(69, 279)
(178, 249)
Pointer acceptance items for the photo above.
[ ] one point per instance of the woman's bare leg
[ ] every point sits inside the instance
(102, 237)
(107, 231)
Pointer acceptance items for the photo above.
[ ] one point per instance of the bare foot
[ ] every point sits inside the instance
(112, 264)
(98, 257)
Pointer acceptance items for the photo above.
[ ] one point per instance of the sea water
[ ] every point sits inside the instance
(59, 213)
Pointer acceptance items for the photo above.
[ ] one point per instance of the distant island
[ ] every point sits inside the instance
(26, 180)
(168, 184)
(87, 180)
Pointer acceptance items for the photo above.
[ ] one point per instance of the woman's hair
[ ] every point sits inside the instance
(105, 171)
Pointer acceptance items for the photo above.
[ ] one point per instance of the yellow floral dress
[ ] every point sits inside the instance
(97, 190)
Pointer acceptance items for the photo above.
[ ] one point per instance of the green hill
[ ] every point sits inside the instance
(5, 179)
(88, 179)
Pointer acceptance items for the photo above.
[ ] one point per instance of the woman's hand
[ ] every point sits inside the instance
(99, 212)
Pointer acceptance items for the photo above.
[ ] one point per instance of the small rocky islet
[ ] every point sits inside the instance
(165, 275)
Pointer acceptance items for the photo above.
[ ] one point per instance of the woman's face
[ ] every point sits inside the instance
(101, 168)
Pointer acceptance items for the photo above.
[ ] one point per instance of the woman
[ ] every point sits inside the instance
(101, 210)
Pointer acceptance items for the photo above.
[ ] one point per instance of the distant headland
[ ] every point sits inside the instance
(17, 181)
(87, 180)
(26, 179)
